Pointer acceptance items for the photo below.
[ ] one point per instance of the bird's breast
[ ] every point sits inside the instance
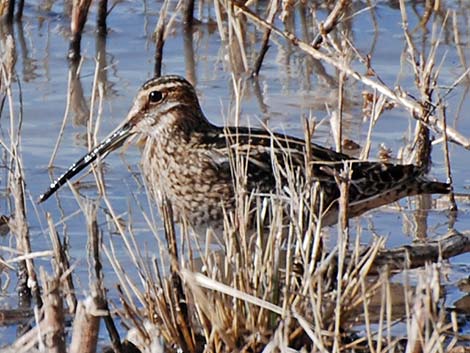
(186, 176)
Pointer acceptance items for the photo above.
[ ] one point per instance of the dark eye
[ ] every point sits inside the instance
(155, 96)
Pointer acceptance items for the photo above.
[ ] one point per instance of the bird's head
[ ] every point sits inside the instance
(162, 105)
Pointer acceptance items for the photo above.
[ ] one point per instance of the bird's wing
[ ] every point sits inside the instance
(264, 157)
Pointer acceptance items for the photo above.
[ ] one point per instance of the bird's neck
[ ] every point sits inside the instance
(187, 121)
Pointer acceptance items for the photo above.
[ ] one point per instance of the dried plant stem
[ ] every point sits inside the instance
(64, 119)
(330, 23)
(53, 314)
(62, 266)
(101, 17)
(343, 241)
(85, 328)
(188, 12)
(95, 242)
(186, 340)
(10, 9)
(459, 45)
(339, 134)
(79, 15)
(453, 204)
(265, 41)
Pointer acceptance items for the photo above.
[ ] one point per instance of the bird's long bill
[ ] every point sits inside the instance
(113, 141)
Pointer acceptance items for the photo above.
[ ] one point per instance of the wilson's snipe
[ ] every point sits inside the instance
(191, 161)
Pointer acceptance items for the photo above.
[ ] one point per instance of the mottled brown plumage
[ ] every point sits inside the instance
(191, 161)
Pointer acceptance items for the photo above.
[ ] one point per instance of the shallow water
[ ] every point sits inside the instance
(291, 89)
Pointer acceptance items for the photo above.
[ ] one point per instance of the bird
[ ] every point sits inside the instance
(196, 164)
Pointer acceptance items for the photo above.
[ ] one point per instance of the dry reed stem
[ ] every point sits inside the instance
(160, 40)
(53, 314)
(234, 32)
(343, 181)
(101, 17)
(425, 81)
(453, 203)
(273, 8)
(161, 32)
(458, 45)
(64, 119)
(85, 327)
(77, 23)
(330, 23)
(7, 8)
(187, 339)
(97, 287)
(378, 104)
(188, 12)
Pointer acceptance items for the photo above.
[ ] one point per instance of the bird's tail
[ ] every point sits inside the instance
(426, 186)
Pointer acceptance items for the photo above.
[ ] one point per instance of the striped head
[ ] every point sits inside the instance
(165, 103)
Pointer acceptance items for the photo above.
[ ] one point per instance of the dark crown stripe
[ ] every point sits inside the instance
(166, 81)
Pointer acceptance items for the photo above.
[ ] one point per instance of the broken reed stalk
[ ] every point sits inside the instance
(85, 327)
(273, 9)
(28, 284)
(160, 35)
(418, 254)
(339, 130)
(235, 27)
(330, 23)
(54, 317)
(77, 23)
(101, 26)
(159, 43)
(97, 288)
(188, 12)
